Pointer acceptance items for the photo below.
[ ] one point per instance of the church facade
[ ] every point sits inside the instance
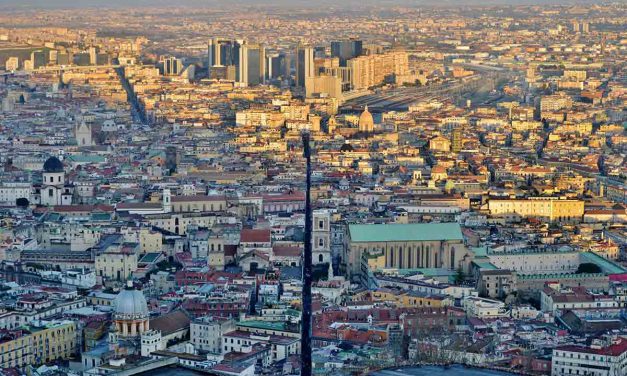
(53, 190)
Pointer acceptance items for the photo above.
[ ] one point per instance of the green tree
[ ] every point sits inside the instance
(588, 267)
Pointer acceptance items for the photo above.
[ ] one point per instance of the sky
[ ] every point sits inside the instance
(224, 3)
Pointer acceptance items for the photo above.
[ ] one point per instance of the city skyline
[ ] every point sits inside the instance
(313, 188)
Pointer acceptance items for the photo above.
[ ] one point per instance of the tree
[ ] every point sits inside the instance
(588, 267)
(22, 202)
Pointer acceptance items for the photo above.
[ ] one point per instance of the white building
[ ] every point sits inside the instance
(53, 190)
(151, 341)
(321, 237)
(82, 133)
(10, 192)
(553, 299)
(606, 357)
(206, 333)
(484, 308)
(81, 278)
(281, 347)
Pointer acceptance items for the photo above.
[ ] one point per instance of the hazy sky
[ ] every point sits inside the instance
(225, 3)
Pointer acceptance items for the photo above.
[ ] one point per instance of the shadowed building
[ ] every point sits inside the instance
(402, 246)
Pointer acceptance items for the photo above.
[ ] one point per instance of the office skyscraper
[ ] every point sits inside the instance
(211, 54)
(275, 66)
(305, 66)
(346, 49)
(172, 66)
(585, 27)
(39, 59)
(221, 52)
(224, 53)
(236, 60)
(93, 56)
(252, 64)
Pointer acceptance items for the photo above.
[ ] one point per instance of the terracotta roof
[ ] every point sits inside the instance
(286, 251)
(230, 250)
(613, 350)
(197, 198)
(171, 322)
(255, 236)
(296, 196)
(137, 205)
(83, 208)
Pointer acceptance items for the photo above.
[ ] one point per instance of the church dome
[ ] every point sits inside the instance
(366, 121)
(130, 304)
(53, 165)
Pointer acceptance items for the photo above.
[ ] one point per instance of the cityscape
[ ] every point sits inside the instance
(387, 188)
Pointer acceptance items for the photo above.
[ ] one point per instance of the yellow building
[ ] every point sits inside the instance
(198, 203)
(415, 299)
(55, 341)
(150, 241)
(404, 299)
(440, 143)
(324, 84)
(555, 102)
(36, 345)
(372, 70)
(116, 265)
(263, 117)
(575, 75)
(551, 209)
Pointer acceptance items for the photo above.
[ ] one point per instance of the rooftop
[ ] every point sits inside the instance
(405, 232)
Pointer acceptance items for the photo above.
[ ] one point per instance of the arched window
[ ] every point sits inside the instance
(426, 256)
(320, 258)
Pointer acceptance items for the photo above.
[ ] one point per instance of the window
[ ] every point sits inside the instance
(50, 192)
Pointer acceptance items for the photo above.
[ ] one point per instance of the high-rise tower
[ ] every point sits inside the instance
(304, 64)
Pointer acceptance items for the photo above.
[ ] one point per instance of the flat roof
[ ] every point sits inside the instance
(268, 325)
(485, 265)
(606, 265)
(150, 257)
(405, 232)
